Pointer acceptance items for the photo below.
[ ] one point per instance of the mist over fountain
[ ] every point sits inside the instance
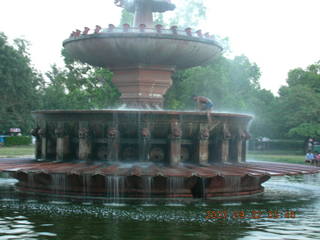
(145, 153)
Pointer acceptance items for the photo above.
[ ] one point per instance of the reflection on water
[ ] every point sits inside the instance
(289, 209)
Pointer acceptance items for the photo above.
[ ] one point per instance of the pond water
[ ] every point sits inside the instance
(289, 209)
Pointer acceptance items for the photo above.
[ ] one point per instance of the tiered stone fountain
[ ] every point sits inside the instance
(145, 153)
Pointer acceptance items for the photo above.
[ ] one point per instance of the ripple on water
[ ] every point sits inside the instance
(175, 205)
(15, 231)
(22, 222)
(59, 202)
(21, 226)
(148, 205)
(274, 201)
(231, 204)
(47, 234)
(46, 225)
(255, 203)
(115, 204)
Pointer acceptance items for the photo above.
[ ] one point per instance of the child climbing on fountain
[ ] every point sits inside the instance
(203, 103)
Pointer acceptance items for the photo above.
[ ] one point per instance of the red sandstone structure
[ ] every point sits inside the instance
(143, 153)
(143, 57)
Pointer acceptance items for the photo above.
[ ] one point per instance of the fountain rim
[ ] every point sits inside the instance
(141, 111)
(128, 35)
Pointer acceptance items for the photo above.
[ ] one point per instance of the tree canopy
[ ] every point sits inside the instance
(19, 85)
(78, 86)
(299, 102)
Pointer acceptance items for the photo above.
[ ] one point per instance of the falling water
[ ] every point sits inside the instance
(112, 151)
(115, 188)
(233, 182)
(86, 184)
(141, 140)
(203, 185)
(147, 187)
(175, 185)
(31, 182)
(58, 183)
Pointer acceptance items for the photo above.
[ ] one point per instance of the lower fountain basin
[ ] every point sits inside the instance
(146, 180)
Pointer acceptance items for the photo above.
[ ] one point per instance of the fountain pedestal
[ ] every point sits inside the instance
(142, 86)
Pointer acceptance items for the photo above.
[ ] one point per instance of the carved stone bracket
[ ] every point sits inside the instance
(226, 134)
(60, 132)
(35, 132)
(204, 134)
(243, 134)
(176, 131)
(145, 132)
(113, 132)
(42, 132)
(84, 133)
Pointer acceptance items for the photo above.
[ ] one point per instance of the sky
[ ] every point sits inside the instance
(278, 35)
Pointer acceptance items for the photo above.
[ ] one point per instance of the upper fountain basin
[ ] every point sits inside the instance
(122, 47)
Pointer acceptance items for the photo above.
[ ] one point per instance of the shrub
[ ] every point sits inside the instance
(17, 140)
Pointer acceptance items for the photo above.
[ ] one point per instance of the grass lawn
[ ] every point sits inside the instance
(16, 151)
(276, 156)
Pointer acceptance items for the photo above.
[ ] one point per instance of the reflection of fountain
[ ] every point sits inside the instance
(171, 154)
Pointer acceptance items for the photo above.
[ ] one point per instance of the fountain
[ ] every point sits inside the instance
(143, 151)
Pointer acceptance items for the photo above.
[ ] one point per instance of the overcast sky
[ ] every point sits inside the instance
(278, 35)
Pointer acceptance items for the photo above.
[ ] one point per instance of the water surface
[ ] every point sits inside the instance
(289, 209)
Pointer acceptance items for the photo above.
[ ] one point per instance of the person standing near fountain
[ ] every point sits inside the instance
(203, 103)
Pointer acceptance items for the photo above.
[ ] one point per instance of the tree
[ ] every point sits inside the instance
(299, 102)
(126, 17)
(19, 85)
(189, 14)
(78, 86)
(228, 81)
(233, 86)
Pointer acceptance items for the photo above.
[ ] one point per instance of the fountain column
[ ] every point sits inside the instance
(63, 142)
(113, 144)
(143, 13)
(203, 145)
(226, 135)
(47, 143)
(245, 138)
(175, 143)
(35, 133)
(85, 145)
(144, 146)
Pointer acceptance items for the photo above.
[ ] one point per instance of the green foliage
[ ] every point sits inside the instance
(228, 82)
(126, 17)
(306, 130)
(233, 86)
(78, 86)
(19, 85)
(299, 103)
(189, 13)
(17, 140)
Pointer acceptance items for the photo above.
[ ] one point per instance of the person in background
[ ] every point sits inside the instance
(203, 103)
(309, 157)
